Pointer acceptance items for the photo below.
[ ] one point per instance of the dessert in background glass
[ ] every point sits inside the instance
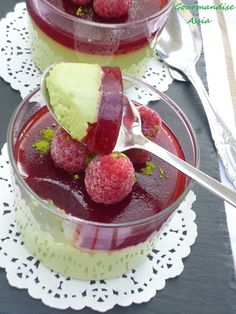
(59, 223)
(57, 34)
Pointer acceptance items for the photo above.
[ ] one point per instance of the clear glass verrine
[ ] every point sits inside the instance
(79, 247)
(58, 35)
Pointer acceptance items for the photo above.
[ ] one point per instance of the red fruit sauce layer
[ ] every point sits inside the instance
(150, 194)
(68, 34)
(103, 134)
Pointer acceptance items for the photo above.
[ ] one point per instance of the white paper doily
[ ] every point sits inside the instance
(23, 270)
(140, 285)
(18, 69)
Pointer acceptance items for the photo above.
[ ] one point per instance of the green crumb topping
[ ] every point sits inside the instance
(41, 146)
(76, 177)
(162, 173)
(148, 169)
(47, 134)
(118, 155)
(90, 157)
(82, 10)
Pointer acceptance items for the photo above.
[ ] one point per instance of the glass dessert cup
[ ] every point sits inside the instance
(58, 36)
(87, 249)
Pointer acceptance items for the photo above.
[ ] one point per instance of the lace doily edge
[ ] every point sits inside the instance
(103, 308)
(3, 23)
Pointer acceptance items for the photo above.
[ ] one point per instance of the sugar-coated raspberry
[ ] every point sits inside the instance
(68, 153)
(111, 9)
(109, 178)
(82, 2)
(151, 123)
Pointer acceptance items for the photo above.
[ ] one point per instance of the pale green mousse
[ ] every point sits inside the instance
(74, 92)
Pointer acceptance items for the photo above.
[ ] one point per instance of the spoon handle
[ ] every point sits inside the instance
(225, 141)
(208, 182)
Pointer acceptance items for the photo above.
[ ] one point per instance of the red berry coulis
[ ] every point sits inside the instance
(150, 194)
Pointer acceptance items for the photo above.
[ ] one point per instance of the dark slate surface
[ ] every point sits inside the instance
(207, 284)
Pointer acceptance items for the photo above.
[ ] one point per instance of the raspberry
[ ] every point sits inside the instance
(151, 123)
(109, 178)
(111, 9)
(67, 153)
(82, 2)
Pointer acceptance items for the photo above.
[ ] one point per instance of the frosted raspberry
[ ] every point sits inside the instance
(151, 123)
(82, 2)
(109, 178)
(67, 153)
(111, 9)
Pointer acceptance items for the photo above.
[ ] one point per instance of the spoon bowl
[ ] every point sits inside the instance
(180, 44)
(45, 94)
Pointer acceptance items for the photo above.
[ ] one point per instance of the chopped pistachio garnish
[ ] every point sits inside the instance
(47, 134)
(118, 155)
(148, 169)
(82, 10)
(41, 146)
(76, 176)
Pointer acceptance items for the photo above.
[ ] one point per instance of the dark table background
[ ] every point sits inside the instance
(207, 284)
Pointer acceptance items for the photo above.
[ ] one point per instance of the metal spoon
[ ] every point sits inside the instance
(177, 75)
(180, 47)
(45, 94)
(131, 136)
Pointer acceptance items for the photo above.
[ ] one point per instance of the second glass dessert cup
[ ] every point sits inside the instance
(87, 249)
(57, 36)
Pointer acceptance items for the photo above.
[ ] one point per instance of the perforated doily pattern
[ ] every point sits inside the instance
(140, 285)
(18, 69)
(26, 272)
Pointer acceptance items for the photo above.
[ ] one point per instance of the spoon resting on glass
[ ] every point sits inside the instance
(130, 136)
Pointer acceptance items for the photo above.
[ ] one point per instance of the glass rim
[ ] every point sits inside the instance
(74, 219)
(107, 25)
